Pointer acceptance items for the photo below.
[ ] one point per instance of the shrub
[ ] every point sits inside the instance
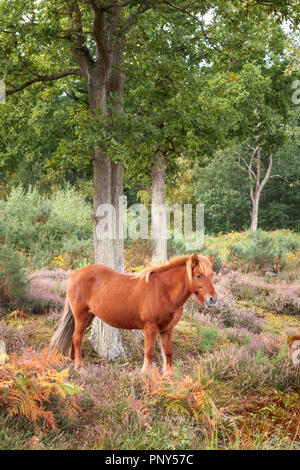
(70, 214)
(13, 280)
(226, 313)
(262, 249)
(252, 342)
(43, 229)
(262, 295)
(137, 253)
(26, 206)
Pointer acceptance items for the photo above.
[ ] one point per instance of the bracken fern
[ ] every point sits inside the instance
(28, 381)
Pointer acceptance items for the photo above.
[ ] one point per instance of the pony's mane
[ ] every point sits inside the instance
(204, 265)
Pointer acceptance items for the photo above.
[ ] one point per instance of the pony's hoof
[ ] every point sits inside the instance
(168, 373)
(79, 367)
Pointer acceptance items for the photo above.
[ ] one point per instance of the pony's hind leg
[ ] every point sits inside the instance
(82, 320)
(90, 319)
(150, 335)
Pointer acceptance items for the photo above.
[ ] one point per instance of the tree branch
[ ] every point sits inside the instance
(200, 22)
(258, 169)
(138, 11)
(282, 177)
(143, 187)
(267, 176)
(80, 52)
(98, 30)
(43, 78)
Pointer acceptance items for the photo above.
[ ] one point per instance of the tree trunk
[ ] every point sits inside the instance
(254, 213)
(108, 188)
(158, 214)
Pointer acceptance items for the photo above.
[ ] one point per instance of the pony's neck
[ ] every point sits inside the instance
(177, 283)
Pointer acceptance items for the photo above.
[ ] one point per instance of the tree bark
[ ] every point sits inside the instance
(254, 213)
(158, 214)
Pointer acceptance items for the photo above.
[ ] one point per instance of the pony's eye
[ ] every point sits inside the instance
(198, 276)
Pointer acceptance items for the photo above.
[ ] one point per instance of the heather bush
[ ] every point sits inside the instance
(205, 319)
(246, 289)
(253, 342)
(286, 303)
(248, 371)
(47, 291)
(16, 339)
(278, 299)
(232, 316)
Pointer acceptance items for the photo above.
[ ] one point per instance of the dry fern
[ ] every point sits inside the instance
(27, 381)
(186, 395)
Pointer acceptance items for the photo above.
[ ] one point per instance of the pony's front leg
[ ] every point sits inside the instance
(150, 335)
(166, 350)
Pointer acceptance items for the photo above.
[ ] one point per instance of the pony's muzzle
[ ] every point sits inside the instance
(210, 301)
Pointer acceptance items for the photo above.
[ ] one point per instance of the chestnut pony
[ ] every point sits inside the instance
(151, 300)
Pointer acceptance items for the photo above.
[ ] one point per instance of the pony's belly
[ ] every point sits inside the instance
(119, 319)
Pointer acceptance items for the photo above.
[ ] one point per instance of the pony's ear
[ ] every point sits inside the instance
(194, 259)
(211, 258)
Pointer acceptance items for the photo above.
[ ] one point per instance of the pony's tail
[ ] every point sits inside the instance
(62, 338)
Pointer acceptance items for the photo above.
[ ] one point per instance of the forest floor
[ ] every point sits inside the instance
(235, 386)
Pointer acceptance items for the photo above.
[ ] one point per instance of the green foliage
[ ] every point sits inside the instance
(13, 278)
(261, 249)
(70, 214)
(209, 338)
(44, 229)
